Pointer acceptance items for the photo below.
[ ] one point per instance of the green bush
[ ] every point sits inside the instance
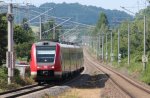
(3, 73)
(17, 82)
(146, 75)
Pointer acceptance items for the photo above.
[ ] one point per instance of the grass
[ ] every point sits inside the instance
(68, 94)
(135, 69)
(146, 75)
(17, 80)
(78, 93)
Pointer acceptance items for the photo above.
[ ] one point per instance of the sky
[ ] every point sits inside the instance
(132, 5)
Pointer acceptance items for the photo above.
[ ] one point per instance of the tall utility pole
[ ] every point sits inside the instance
(97, 46)
(106, 49)
(128, 43)
(144, 58)
(102, 45)
(10, 53)
(54, 32)
(119, 55)
(91, 38)
(128, 34)
(40, 27)
(111, 51)
(94, 44)
(99, 49)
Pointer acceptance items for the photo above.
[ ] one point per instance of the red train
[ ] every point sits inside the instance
(52, 60)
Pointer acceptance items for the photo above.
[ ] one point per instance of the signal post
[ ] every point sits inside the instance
(10, 53)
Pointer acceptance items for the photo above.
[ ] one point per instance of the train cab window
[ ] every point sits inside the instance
(45, 54)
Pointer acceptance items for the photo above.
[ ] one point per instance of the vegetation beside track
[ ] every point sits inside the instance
(23, 38)
(17, 81)
(135, 68)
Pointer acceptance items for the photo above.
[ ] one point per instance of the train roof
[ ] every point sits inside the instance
(45, 43)
(68, 46)
(41, 43)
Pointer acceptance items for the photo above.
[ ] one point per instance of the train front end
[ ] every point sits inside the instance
(45, 61)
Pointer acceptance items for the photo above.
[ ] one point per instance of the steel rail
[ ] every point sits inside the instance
(135, 84)
(112, 81)
(35, 88)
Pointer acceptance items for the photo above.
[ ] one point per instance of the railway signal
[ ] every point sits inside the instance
(10, 17)
(144, 58)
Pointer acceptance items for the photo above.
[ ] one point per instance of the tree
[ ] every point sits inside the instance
(3, 38)
(102, 20)
(25, 25)
(102, 24)
(23, 50)
(21, 35)
(23, 39)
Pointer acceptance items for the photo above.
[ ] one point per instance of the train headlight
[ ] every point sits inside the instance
(53, 67)
(38, 67)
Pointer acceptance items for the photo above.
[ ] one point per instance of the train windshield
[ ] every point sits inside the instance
(45, 54)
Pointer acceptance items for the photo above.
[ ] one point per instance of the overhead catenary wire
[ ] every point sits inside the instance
(39, 15)
(69, 21)
(68, 31)
(58, 25)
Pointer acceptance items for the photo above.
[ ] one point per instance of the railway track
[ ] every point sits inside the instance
(36, 91)
(130, 87)
(25, 87)
(23, 91)
(123, 93)
(127, 87)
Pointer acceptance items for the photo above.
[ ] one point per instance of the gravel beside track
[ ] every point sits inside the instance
(133, 89)
(110, 89)
(35, 91)
(53, 91)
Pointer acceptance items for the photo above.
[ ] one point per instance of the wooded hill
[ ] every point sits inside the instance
(77, 12)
